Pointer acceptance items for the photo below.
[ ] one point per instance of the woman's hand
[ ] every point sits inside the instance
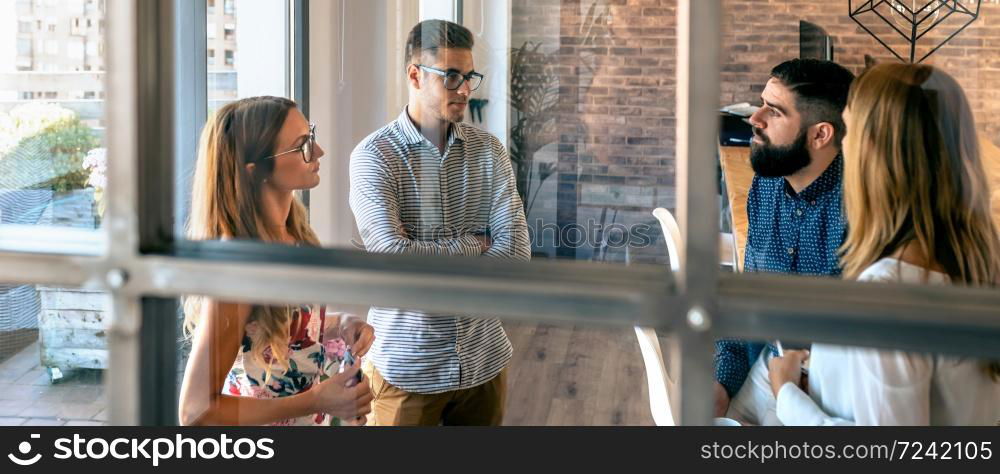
(359, 421)
(359, 335)
(786, 369)
(333, 395)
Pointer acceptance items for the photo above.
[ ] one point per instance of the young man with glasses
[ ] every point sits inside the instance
(429, 184)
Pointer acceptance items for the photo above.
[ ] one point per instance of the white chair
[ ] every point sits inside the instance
(672, 234)
(663, 390)
(658, 380)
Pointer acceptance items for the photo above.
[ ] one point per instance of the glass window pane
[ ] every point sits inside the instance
(262, 71)
(579, 96)
(592, 126)
(823, 30)
(53, 356)
(305, 360)
(52, 136)
(553, 375)
(899, 190)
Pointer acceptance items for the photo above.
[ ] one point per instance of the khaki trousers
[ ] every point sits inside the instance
(481, 405)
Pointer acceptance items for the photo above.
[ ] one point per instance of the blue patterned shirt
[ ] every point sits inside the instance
(788, 232)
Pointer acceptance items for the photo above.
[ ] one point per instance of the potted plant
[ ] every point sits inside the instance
(534, 99)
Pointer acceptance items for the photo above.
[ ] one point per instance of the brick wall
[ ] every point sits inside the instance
(762, 33)
(615, 60)
(615, 117)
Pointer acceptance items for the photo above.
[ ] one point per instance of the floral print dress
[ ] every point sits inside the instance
(311, 359)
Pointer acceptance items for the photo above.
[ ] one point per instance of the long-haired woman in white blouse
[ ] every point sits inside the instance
(917, 205)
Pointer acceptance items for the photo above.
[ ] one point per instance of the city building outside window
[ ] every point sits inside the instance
(75, 48)
(257, 74)
(24, 47)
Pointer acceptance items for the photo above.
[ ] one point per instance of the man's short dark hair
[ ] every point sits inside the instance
(820, 89)
(432, 35)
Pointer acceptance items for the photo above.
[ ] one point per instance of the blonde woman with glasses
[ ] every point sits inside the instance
(918, 211)
(253, 364)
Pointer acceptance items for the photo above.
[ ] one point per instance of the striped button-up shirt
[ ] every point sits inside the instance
(409, 198)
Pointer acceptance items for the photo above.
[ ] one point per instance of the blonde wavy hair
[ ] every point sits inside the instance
(225, 204)
(913, 176)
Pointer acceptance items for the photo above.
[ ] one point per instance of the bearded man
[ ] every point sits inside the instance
(794, 204)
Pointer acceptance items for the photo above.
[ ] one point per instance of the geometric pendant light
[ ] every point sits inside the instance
(913, 19)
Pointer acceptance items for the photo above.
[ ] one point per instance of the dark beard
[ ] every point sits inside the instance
(773, 161)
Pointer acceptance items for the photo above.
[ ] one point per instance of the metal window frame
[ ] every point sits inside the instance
(146, 270)
(298, 61)
(192, 109)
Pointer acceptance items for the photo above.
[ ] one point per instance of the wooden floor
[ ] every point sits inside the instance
(575, 376)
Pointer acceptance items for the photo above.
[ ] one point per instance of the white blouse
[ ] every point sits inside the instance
(861, 386)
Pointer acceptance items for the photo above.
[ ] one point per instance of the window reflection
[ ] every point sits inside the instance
(592, 126)
(826, 182)
(52, 158)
